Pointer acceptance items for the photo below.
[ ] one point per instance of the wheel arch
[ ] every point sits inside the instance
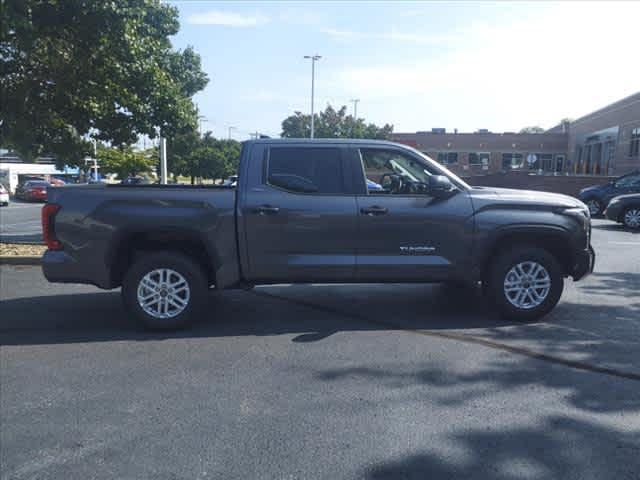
(555, 240)
(128, 245)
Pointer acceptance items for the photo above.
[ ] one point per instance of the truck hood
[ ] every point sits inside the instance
(482, 196)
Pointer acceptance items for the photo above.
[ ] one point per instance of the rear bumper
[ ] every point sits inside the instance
(60, 267)
(583, 263)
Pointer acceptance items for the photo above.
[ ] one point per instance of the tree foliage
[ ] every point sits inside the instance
(534, 129)
(332, 123)
(125, 161)
(202, 157)
(73, 68)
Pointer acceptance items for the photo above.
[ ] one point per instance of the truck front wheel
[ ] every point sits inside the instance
(164, 290)
(524, 283)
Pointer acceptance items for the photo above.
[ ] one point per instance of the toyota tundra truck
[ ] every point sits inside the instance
(309, 211)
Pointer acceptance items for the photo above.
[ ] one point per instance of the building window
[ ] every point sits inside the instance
(479, 158)
(447, 158)
(634, 145)
(512, 161)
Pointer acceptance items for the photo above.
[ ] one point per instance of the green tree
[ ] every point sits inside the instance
(202, 157)
(535, 129)
(74, 68)
(125, 161)
(332, 123)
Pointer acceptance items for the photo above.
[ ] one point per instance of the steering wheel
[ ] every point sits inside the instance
(395, 182)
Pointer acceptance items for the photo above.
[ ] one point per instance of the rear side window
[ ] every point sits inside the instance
(321, 167)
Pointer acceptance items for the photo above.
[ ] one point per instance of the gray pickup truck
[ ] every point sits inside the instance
(305, 211)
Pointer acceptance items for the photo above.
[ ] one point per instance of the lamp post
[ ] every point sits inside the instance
(355, 108)
(313, 59)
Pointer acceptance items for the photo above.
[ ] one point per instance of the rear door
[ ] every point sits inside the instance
(294, 234)
(405, 233)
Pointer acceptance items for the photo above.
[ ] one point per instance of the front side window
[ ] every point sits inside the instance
(308, 170)
(390, 171)
(629, 181)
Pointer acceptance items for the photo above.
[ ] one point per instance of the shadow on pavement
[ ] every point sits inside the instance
(559, 448)
(97, 317)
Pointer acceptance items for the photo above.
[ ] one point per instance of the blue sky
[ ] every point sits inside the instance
(417, 65)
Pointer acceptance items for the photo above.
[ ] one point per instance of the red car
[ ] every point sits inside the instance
(33, 190)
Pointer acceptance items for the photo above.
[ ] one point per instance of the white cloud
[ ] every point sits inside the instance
(535, 70)
(393, 34)
(228, 19)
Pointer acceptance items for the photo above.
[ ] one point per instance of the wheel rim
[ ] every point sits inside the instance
(527, 285)
(632, 218)
(594, 207)
(163, 293)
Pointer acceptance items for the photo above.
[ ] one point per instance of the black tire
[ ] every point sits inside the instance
(184, 266)
(595, 206)
(626, 221)
(502, 264)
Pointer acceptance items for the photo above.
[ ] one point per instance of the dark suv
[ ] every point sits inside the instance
(597, 197)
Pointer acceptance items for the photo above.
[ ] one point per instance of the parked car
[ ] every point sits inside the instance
(302, 213)
(137, 180)
(625, 209)
(232, 181)
(597, 197)
(4, 196)
(33, 190)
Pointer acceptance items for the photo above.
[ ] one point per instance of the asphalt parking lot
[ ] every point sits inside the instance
(362, 381)
(20, 222)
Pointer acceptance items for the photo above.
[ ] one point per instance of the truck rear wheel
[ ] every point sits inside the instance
(164, 290)
(525, 283)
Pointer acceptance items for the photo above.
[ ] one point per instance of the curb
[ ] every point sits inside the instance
(20, 260)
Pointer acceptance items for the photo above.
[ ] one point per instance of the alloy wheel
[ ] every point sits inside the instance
(163, 293)
(527, 285)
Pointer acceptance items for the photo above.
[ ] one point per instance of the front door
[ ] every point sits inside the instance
(404, 233)
(305, 231)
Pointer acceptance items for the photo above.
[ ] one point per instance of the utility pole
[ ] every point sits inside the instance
(163, 160)
(355, 108)
(313, 59)
(231, 128)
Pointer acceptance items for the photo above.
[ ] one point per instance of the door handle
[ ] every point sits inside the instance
(266, 210)
(374, 210)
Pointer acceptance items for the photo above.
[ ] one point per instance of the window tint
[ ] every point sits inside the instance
(320, 166)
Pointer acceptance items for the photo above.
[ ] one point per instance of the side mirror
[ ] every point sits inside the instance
(440, 186)
(293, 183)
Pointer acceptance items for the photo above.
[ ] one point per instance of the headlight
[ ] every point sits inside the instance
(580, 211)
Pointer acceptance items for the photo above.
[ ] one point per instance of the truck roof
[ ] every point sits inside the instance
(322, 141)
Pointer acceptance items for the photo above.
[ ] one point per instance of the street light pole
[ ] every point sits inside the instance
(355, 108)
(313, 59)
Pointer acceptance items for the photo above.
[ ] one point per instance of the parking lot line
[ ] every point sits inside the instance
(461, 337)
(625, 243)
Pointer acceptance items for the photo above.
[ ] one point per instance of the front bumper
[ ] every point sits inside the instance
(583, 263)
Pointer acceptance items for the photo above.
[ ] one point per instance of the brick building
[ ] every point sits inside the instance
(605, 142)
